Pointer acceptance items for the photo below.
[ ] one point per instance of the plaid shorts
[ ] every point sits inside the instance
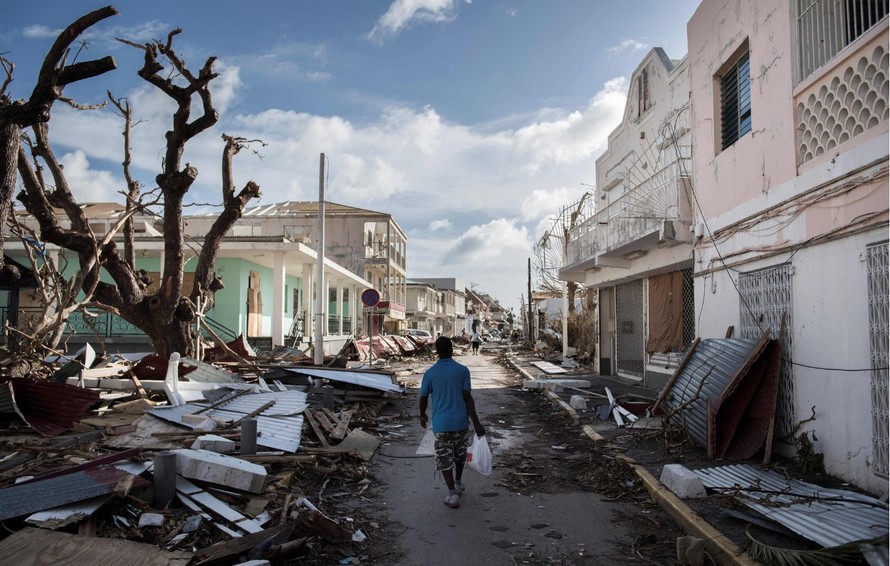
(451, 447)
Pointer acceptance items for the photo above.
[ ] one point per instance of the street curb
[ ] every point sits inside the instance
(550, 394)
(721, 549)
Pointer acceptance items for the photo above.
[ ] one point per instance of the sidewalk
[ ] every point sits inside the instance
(719, 547)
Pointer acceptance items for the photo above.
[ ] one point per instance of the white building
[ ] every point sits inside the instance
(636, 249)
(790, 163)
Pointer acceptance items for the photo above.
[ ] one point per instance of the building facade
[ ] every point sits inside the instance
(451, 316)
(421, 307)
(369, 244)
(790, 164)
(269, 285)
(636, 246)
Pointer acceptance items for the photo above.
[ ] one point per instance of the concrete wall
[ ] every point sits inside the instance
(763, 208)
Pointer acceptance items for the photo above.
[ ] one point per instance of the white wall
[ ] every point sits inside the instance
(830, 330)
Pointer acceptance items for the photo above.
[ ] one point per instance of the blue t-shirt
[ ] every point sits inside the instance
(444, 383)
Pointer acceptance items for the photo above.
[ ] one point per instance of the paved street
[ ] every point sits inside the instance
(494, 524)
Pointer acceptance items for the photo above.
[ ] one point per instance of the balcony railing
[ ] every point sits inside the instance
(641, 211)
(103, 324)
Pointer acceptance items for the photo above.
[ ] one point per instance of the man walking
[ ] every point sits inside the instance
(447, 383)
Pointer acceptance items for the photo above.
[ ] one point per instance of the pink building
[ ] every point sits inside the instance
(789, 166)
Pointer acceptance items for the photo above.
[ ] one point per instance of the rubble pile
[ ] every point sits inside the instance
(182, 461)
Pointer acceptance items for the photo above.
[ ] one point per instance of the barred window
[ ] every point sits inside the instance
(826, 27)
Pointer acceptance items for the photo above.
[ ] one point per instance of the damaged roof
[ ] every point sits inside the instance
(278, 426)
(830, 517)
(373, 380)
(724, 393)
(49, 408)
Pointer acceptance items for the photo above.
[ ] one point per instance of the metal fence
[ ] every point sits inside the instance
(878, 306)
(630, 330)
(103, 324)
(765, 298)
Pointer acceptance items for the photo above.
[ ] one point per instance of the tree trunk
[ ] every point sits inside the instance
(10, 134)
(178, 336)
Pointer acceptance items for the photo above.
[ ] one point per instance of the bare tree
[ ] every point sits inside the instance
(17, 115)
(167, 313)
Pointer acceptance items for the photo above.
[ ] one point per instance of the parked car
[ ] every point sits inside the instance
(419, 335)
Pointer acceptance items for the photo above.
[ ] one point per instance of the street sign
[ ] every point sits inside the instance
(370, 297)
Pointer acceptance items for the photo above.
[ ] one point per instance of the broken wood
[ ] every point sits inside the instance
(219, 552)
(251, 414)
(223, 401)
(339, 432)
(310, 418)
(323, 420)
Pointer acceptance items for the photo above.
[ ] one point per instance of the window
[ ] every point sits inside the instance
(642, 93)
(735, 101)
(825, 27)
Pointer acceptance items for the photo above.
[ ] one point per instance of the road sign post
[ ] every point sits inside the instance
(370, 298)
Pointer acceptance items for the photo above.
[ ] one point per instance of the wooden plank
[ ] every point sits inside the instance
(339, 432)
(324, 420)
(252, 414)
(40, 546)
(310, 418)
(219, 552)
(138, 384)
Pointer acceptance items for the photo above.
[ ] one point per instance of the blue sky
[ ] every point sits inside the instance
(472, 123)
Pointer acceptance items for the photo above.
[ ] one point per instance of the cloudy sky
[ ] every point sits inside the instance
(471, 123)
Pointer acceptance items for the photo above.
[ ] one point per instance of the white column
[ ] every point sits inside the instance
(308, 284)
(279, 270)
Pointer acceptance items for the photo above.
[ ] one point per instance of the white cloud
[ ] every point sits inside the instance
(628, 45)
(90, 185)
(404, 13)
(494, 242)
(40, 32)
(439, 224)
(546, 202)
(291, 60)
(104, 35)
(576, 136)
(497, 189)
(224, 89)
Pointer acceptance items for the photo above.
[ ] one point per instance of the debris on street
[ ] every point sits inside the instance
(79, 460)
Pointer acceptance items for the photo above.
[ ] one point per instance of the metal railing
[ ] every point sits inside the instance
(101, 324)
(638, 212)
(825, 27)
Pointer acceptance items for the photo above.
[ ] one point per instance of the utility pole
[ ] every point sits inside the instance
(531, 328)
(318, 350)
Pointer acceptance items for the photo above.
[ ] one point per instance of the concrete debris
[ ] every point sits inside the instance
(214, 443)
(578, 402)
(682, 482)
(220, 469)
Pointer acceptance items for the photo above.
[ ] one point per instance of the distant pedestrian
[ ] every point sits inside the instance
(447, 386)
(477, 341)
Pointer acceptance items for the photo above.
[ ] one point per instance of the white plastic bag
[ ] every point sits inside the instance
(479, 455)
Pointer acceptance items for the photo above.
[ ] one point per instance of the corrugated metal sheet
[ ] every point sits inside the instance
(279, 427)
(381, 382)
(49, 408)
(710, 375)
(18, 500)
(154, 367)
(829, 517)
